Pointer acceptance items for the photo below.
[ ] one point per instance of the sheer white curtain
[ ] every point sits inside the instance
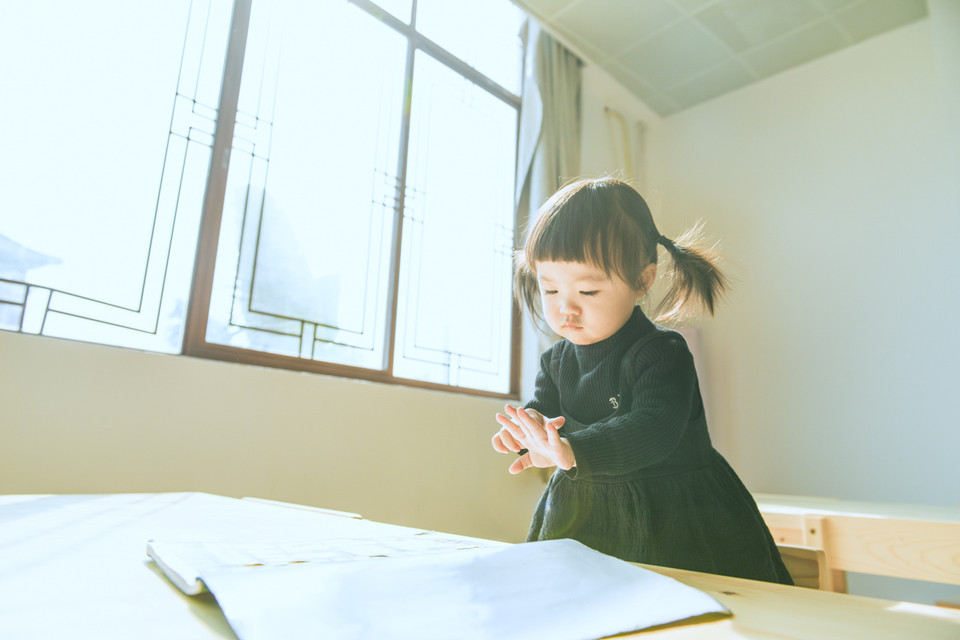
(548, 150)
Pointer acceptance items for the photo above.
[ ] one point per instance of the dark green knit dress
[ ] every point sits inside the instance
(648, 486)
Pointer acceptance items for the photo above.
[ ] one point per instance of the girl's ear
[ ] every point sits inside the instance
(649, 275)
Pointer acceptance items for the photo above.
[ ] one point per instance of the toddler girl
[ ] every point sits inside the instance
(617, 406)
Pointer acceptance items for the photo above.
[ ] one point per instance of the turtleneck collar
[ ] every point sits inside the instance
(589, 355)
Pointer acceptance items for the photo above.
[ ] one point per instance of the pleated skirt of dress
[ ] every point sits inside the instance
(701, 519)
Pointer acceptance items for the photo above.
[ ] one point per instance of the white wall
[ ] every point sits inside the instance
(835, 188)
(834, 192)
(84, 418)
(602, 150)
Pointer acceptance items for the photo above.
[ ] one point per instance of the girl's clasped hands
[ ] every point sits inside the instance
(529, 429)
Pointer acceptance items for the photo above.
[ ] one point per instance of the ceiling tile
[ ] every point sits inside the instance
(674, 55)
(794, 49)
(582, 46)
(878, 16)
(615, 25)
(656, 101)
(625, 76)
(743, 24)
(545, 8)
(725, 77)
(833, 5)
(661, 104)
(692, 5)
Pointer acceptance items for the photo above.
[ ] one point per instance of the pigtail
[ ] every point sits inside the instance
(607, 223)
(696, 276)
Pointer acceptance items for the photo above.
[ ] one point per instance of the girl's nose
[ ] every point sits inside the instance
(568, 305)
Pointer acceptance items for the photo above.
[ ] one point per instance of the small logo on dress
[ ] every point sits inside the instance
(615, 401)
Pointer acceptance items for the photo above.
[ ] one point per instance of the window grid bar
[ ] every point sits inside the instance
(199, 302)
(194, 339)
(436, 51)
(393, 294)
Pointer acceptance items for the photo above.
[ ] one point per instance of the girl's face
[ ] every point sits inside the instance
(582, 303)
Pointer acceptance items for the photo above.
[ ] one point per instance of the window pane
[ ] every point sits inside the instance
(303, 264)
(107, 123)
(401, 9)
(484, 33)
(454, 318)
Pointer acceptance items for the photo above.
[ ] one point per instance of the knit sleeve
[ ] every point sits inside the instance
(546, 396)
(660, 407)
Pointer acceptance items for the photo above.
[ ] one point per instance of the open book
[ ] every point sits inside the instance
(187, 564)
(428, 586)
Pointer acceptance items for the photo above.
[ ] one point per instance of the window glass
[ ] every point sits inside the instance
(483, 33)
(304, 258)
(454, 318)
(366, 222)
(400, 9)
(107, 123)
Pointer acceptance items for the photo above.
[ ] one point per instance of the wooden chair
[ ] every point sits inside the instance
(904, 541)
(806, 565)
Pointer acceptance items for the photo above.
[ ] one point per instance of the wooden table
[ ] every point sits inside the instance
(75, 566)
(920, 542)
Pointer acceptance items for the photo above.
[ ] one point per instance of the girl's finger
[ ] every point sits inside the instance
(510, 427)
(505, 421)
(553, 438)
(552, 428)
(509, 442)
(531, 428)
(521, 463)
(498, 444)
(529, 419)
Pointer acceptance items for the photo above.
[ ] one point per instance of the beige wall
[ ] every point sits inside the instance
(82, 418)
(835, 191)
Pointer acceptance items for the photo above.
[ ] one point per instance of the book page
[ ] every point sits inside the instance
(186, 563)
(557, 589)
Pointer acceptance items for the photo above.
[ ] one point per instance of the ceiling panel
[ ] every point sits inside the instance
(637, 21)
(674, 54)
(743, 24)
(865, 20)
(794, 48)
(719, 79)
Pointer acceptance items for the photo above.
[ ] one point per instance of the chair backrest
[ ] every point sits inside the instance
(806, 565)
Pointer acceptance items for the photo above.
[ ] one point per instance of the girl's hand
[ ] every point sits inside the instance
(528, 429)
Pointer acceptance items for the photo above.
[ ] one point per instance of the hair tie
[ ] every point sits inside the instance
(664, 240)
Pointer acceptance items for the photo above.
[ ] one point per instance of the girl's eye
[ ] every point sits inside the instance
(589, 293)
(549, 292)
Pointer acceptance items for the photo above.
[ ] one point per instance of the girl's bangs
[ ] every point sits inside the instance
(587, 239)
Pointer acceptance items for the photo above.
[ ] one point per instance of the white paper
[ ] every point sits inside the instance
(560, 589)
(186, 563)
